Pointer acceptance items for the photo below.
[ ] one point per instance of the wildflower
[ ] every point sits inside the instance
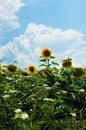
(48, 88)
(24, 116)
(31, 69)
(82, 90)
(13, 91)
(48, 99)
(45, 53)
(57, 92)
(18, 110)
(11, 69)
(64, 92)
(73, 114)
(45, 85)
(6, 96)
(67, 63)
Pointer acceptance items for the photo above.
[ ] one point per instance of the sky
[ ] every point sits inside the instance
(27, 26)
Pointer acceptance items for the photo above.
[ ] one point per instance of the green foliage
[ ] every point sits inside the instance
(51, 99)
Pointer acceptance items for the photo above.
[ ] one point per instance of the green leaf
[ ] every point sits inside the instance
(42, 60)
(54, 63)
(42, 65)
(52, 57)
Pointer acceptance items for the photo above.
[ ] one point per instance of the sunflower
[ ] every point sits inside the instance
(0, 68)
(84, 72)
(67, 63)
(23, 73)
(31, 69)
(78, 72)
(46, 73)
(45, 53)
(11, 69)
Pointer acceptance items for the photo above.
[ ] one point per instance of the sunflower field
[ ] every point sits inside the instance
(50, 97)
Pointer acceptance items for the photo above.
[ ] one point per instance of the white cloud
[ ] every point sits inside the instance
(80, 57)
(26, 48)
(8, 17)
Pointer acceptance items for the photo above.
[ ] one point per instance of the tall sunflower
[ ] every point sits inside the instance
(31, 69)
(11, 69)
(45, 53)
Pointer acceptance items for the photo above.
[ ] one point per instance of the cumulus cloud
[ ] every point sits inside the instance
(8, 17)
(26, 47)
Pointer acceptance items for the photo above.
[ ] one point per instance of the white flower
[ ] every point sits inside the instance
(6, 96)
(73, 114)
(57, 92)
(82, 90)
(24, 116)
(18, 110)
(47, 88)
(48, 99)
(45, 85)
(13, 91)
(64, 92)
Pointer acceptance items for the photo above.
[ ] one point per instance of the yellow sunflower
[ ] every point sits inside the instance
(11, 69)
(67, 63)
(31, 69)
(0, 68)
(45, 53)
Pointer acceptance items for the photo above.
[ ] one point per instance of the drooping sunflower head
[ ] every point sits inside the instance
(45, 53)
(31, 69)
(78, 72)
(46, 73)
(11, 69)
(84, 72)
(0, 68)
(67, 63)
(23, 73)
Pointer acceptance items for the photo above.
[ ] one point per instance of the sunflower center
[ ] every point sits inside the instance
(47, 53)
(78, 72)
(32, 69)
(11, 69)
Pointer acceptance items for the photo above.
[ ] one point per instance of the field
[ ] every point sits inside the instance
(48, 97)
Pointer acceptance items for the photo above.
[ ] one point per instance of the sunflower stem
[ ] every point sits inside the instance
(15, 80)
(47, 62)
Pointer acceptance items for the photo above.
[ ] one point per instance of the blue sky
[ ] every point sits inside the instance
(26, 26)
